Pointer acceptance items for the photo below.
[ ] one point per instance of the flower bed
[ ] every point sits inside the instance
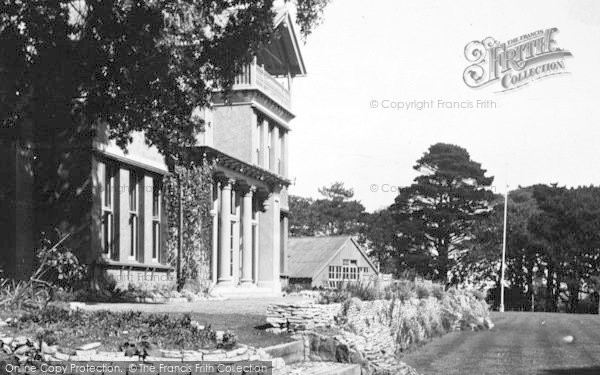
(73, 328)
(58, 334)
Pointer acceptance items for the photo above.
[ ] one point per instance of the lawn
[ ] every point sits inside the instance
(249, 329)
(521, 343)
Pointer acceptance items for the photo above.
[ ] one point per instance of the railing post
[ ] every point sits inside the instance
(252, 71)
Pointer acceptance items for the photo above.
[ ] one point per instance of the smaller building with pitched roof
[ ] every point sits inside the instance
(327, 261)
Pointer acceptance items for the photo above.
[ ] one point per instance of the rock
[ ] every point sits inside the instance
(6, 340)
(85, 353)
(90, 346)
(277, 363)
(214, 357)
(19, 341)
(171, 353)
(48, 349)
(67, 351)
(21, 350)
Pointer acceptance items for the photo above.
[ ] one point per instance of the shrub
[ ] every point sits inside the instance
(422, 291)
(438, 291)
(333, 296)
(57, 264)
(478, 294)
(402, 290)
(365, 291)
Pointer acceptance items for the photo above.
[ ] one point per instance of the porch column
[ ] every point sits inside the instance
(247, 236)
(284, 245)
(225, 277)
(214, 213)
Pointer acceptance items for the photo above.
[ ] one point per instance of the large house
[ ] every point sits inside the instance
(328, 262)
(113, 204)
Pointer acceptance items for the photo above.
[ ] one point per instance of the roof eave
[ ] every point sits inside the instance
(284, 19)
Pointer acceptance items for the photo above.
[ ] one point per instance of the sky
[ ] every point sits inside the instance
(367, 54)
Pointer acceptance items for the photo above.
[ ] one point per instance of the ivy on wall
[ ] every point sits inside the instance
(196, 184)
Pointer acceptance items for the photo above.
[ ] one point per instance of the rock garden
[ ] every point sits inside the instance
(373, 326)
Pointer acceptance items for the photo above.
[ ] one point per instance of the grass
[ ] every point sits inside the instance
(521, 343)
(245, 328)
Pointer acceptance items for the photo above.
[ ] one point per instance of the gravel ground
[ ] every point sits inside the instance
(521, 343)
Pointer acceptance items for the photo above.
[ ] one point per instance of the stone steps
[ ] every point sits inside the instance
(293, 355)
(290, 352)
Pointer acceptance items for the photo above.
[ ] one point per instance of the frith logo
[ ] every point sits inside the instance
(515, 63)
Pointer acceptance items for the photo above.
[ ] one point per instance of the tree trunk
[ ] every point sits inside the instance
(550, 284)
(443, 264)
(573, 297)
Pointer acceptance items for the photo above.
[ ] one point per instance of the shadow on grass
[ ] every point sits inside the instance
(573, 371)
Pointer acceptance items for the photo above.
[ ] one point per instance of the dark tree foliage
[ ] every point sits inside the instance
(482, 263)
(553, 249)
(302, 220)
(135, 65)
(378, 236)
(334, 214)
(437, 212)
(569, 228)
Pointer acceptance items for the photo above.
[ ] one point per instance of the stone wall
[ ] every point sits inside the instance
(303, 315)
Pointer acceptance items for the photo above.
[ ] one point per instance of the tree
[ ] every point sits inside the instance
(443, 203)
(334, 214)
(481, 264)
(337, 213)
(377, 235)
(302, 219)
(129, 65)
(568, 226)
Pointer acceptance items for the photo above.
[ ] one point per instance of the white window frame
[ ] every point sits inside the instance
(134, 215)
(108, 212)
(156, 216)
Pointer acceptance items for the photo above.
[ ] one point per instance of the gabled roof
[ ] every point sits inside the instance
(283, 54)
(307, 256)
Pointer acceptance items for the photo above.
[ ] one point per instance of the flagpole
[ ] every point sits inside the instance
(503, 252)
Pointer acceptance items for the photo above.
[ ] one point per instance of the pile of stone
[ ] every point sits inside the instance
(301, 316)
(24, 349)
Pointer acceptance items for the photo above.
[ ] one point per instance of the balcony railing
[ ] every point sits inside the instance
(255, 77)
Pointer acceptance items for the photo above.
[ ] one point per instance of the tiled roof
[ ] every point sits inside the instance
(307, 255)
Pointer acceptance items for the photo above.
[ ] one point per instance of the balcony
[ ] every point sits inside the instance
(255, 77)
